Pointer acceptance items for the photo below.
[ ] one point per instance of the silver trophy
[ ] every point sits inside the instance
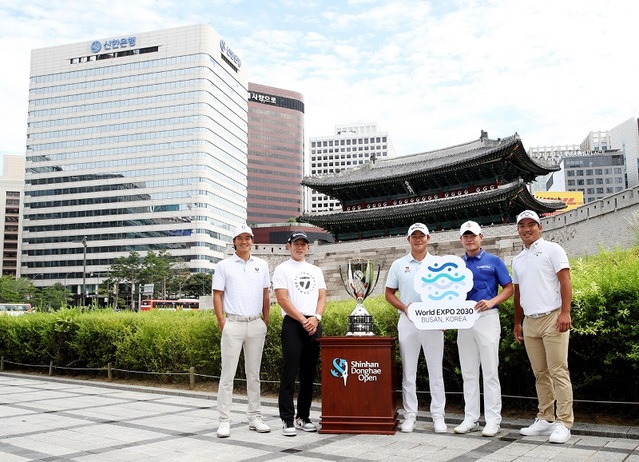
(359, 282)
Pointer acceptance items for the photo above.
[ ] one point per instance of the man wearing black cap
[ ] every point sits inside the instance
(301, 292)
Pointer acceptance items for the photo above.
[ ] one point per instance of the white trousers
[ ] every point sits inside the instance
(411, 342)
(479, 346)
(238, 335)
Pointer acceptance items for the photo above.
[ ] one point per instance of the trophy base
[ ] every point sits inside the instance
(360, 325)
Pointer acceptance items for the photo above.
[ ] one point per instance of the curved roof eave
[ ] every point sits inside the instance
(516, 191)
(434, 162)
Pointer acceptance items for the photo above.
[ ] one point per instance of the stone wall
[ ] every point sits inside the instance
(604, 224)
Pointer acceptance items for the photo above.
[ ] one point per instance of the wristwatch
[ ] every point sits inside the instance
(318, 317)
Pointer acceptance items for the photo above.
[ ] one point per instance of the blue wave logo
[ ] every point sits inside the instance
(446, 276)
(340, 369)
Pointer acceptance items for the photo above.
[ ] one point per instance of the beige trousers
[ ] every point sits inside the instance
(547, 350)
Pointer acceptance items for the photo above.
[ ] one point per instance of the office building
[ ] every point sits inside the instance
(275, 154)
(596, 176)
(135, 142)
(596, 142)
(625, 138)
(352, 145)
(11, 196)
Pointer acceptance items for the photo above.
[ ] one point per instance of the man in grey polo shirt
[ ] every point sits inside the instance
(241, 303)
(543, 293)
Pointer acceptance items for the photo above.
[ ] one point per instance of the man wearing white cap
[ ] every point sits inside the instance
(241, 303)
(543, 293)
(412, 340)
(479, 345)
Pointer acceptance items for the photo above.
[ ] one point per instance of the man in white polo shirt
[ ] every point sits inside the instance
(543, 293)
(241, 303)
(412, 341)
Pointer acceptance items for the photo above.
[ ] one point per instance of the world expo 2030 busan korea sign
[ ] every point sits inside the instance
(442, 283)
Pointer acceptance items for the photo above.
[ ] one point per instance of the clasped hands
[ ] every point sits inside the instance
(310, 325)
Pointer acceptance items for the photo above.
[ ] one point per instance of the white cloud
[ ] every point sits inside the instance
(432, 73)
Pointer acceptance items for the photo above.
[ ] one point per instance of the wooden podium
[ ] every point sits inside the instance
(358, 385)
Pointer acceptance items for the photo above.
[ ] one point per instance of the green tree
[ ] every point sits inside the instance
(179, 279)
(158, 270)
(19, 290)
(54, 297)
(127, 270)
(198, 284)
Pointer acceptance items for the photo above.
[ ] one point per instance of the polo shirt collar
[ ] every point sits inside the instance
(535, 245)
(480, 254)
(412, 259)
(238, 258)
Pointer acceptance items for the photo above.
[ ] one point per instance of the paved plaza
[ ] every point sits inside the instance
(53, 419)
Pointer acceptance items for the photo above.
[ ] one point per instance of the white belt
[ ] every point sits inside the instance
(541, 315)
(233, 317)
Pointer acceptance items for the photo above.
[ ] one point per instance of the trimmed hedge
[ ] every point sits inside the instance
(604, 349)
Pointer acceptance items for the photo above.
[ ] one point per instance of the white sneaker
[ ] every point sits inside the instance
(259, 426)
(560, 434)
(224, 430)
(440, 425)
(305, 424)
(409, 424)
(288, 428)
(540, 427)
(490, 429)
(466, 427)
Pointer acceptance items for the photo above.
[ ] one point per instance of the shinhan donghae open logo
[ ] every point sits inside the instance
(365, 371)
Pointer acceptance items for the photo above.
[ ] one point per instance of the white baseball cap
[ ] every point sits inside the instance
(470, 226)
(528, 214)
(418, 227)
(243, 228)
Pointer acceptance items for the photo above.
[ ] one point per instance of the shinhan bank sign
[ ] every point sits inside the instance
(112, 44)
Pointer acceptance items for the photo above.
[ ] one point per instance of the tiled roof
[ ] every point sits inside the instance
(508, 200)
(455, 158)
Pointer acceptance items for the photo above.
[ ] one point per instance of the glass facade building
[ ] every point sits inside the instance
(134, 143)
(275, 154)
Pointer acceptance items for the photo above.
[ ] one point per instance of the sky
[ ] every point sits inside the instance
(432, 74)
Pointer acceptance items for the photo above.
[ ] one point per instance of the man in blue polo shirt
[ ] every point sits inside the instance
(479, 345)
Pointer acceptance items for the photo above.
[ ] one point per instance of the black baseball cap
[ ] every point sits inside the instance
(296, 236)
